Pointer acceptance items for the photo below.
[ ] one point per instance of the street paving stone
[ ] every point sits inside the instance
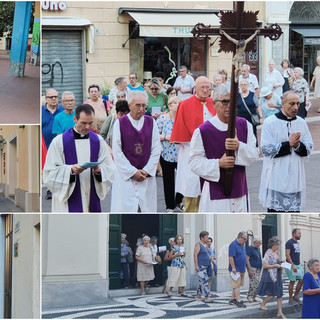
(7, 205)
(160, 306)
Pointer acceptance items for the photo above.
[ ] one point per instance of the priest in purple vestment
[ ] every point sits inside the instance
(79, 168)
(136, 149)
(208, 158)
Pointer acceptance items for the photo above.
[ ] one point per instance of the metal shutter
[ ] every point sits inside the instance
(62, 62)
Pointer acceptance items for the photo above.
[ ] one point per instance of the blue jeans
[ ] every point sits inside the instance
(124, 269)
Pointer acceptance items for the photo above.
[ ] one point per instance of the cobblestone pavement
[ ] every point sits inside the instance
(160, 306)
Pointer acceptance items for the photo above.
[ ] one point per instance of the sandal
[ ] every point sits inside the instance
(263, 308)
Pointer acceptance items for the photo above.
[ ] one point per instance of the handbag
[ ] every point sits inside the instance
(159, 259)
(255, 119)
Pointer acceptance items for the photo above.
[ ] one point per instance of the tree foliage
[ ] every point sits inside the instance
(7, 16)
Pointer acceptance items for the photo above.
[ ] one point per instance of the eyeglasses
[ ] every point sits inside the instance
(245, 239)
(205, 88)
(52, 97)
(224, 102)
(68, 101)
(155, 89)
(293, 103)
(140, 106)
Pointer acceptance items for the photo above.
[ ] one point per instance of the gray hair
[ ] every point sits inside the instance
(121, 93)
(273, 241)
(135, 74)
(272, 61)
(155, 82)
(246, 66)
(153, 238)
(65, 93)
(311, 262)
(123, 235)
(241, 234)
(256, 239)
(244, 80)
(134, 93)
(119, 80)
(286, 94)
(300, 70)
(170, 240)
(145, 237)
(183, 68)
(220, 91)
(51, 89)
(218, 75)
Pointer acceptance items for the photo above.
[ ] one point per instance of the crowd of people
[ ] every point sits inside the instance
(158, 129)
(265, 273)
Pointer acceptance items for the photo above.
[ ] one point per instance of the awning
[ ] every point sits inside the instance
(311, 35)
(63, 22)
(171, 25)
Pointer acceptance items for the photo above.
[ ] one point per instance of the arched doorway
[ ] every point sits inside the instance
(305, 35)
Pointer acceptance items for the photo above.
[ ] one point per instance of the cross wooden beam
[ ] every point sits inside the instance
(238, 29)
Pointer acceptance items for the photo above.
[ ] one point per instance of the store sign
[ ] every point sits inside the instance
(312, 41)
(182, 30)
(54, 5)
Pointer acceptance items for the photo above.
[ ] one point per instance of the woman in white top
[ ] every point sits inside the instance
(274, 79)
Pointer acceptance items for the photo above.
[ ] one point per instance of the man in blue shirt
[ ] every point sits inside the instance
(48, 113)
(254, 266)
(64, 120)
(237, 267)
(133, 79)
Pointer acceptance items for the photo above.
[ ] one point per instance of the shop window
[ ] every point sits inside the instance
(168, 54)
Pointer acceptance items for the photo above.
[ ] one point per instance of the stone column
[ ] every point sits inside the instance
(21, 24)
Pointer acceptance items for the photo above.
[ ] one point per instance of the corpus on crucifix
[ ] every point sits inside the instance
(238, 31)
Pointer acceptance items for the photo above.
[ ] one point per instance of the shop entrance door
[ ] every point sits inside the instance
(8, 267)
(134, 225)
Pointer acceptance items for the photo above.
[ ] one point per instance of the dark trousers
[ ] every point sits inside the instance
(168, 170)
(125, 271)
(302, 112)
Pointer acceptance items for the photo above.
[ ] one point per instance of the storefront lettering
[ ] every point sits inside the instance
(182, 30)
(54, 5)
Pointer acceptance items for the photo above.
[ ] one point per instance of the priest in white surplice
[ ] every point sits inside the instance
(208, 159)
(136, 149)
(76, 188)
(286, 143)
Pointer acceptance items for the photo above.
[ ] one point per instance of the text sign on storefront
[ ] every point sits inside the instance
(54, 5)
(182, 30)
(312, 41)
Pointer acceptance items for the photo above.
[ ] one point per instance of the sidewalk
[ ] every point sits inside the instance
(157, 305)
(19, 97)
(6, 205)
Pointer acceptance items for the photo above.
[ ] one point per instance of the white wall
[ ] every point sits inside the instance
(25, 290)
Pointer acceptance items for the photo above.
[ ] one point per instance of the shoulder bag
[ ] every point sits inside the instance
(254, 117)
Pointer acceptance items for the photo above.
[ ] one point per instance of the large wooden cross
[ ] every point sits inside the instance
(238, 29)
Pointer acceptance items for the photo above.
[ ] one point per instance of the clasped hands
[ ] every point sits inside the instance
(140, 175)
(294, 139)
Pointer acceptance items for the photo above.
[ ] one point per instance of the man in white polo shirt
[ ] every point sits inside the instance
(251, 78)
(184, 84)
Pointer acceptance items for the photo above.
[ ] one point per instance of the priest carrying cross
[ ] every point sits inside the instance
(222, 146)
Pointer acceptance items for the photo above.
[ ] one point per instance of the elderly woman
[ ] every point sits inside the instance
(168, 258)
(177, 277)
(157, 101)
(248, 100)
(169, 156)
(311, 291)
(315, 82)
(224, 74)
(124, 262)
(301, 88)
(287, 74)
(100, 106)
(120, 85)
(270, 103)
(274, 79)
(254, 266)
(271, 281)
(144, 259)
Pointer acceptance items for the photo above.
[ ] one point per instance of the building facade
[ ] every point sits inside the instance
(81, 266)
(20, 266)
(20, 165)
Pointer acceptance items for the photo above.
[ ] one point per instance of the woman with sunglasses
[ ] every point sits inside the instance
(157, 100)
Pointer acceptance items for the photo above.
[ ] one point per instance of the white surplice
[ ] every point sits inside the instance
(209, 169)
(127, 194)
(283, 183)
(188, 183)
(56, 174)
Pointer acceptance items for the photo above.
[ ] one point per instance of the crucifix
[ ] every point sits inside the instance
(238, 29)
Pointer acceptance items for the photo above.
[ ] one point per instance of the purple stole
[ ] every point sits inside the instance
(214, 146)
(70, 154)
(136, 145)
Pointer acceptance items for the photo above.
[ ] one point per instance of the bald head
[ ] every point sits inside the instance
(203, 87)
(290, 104)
